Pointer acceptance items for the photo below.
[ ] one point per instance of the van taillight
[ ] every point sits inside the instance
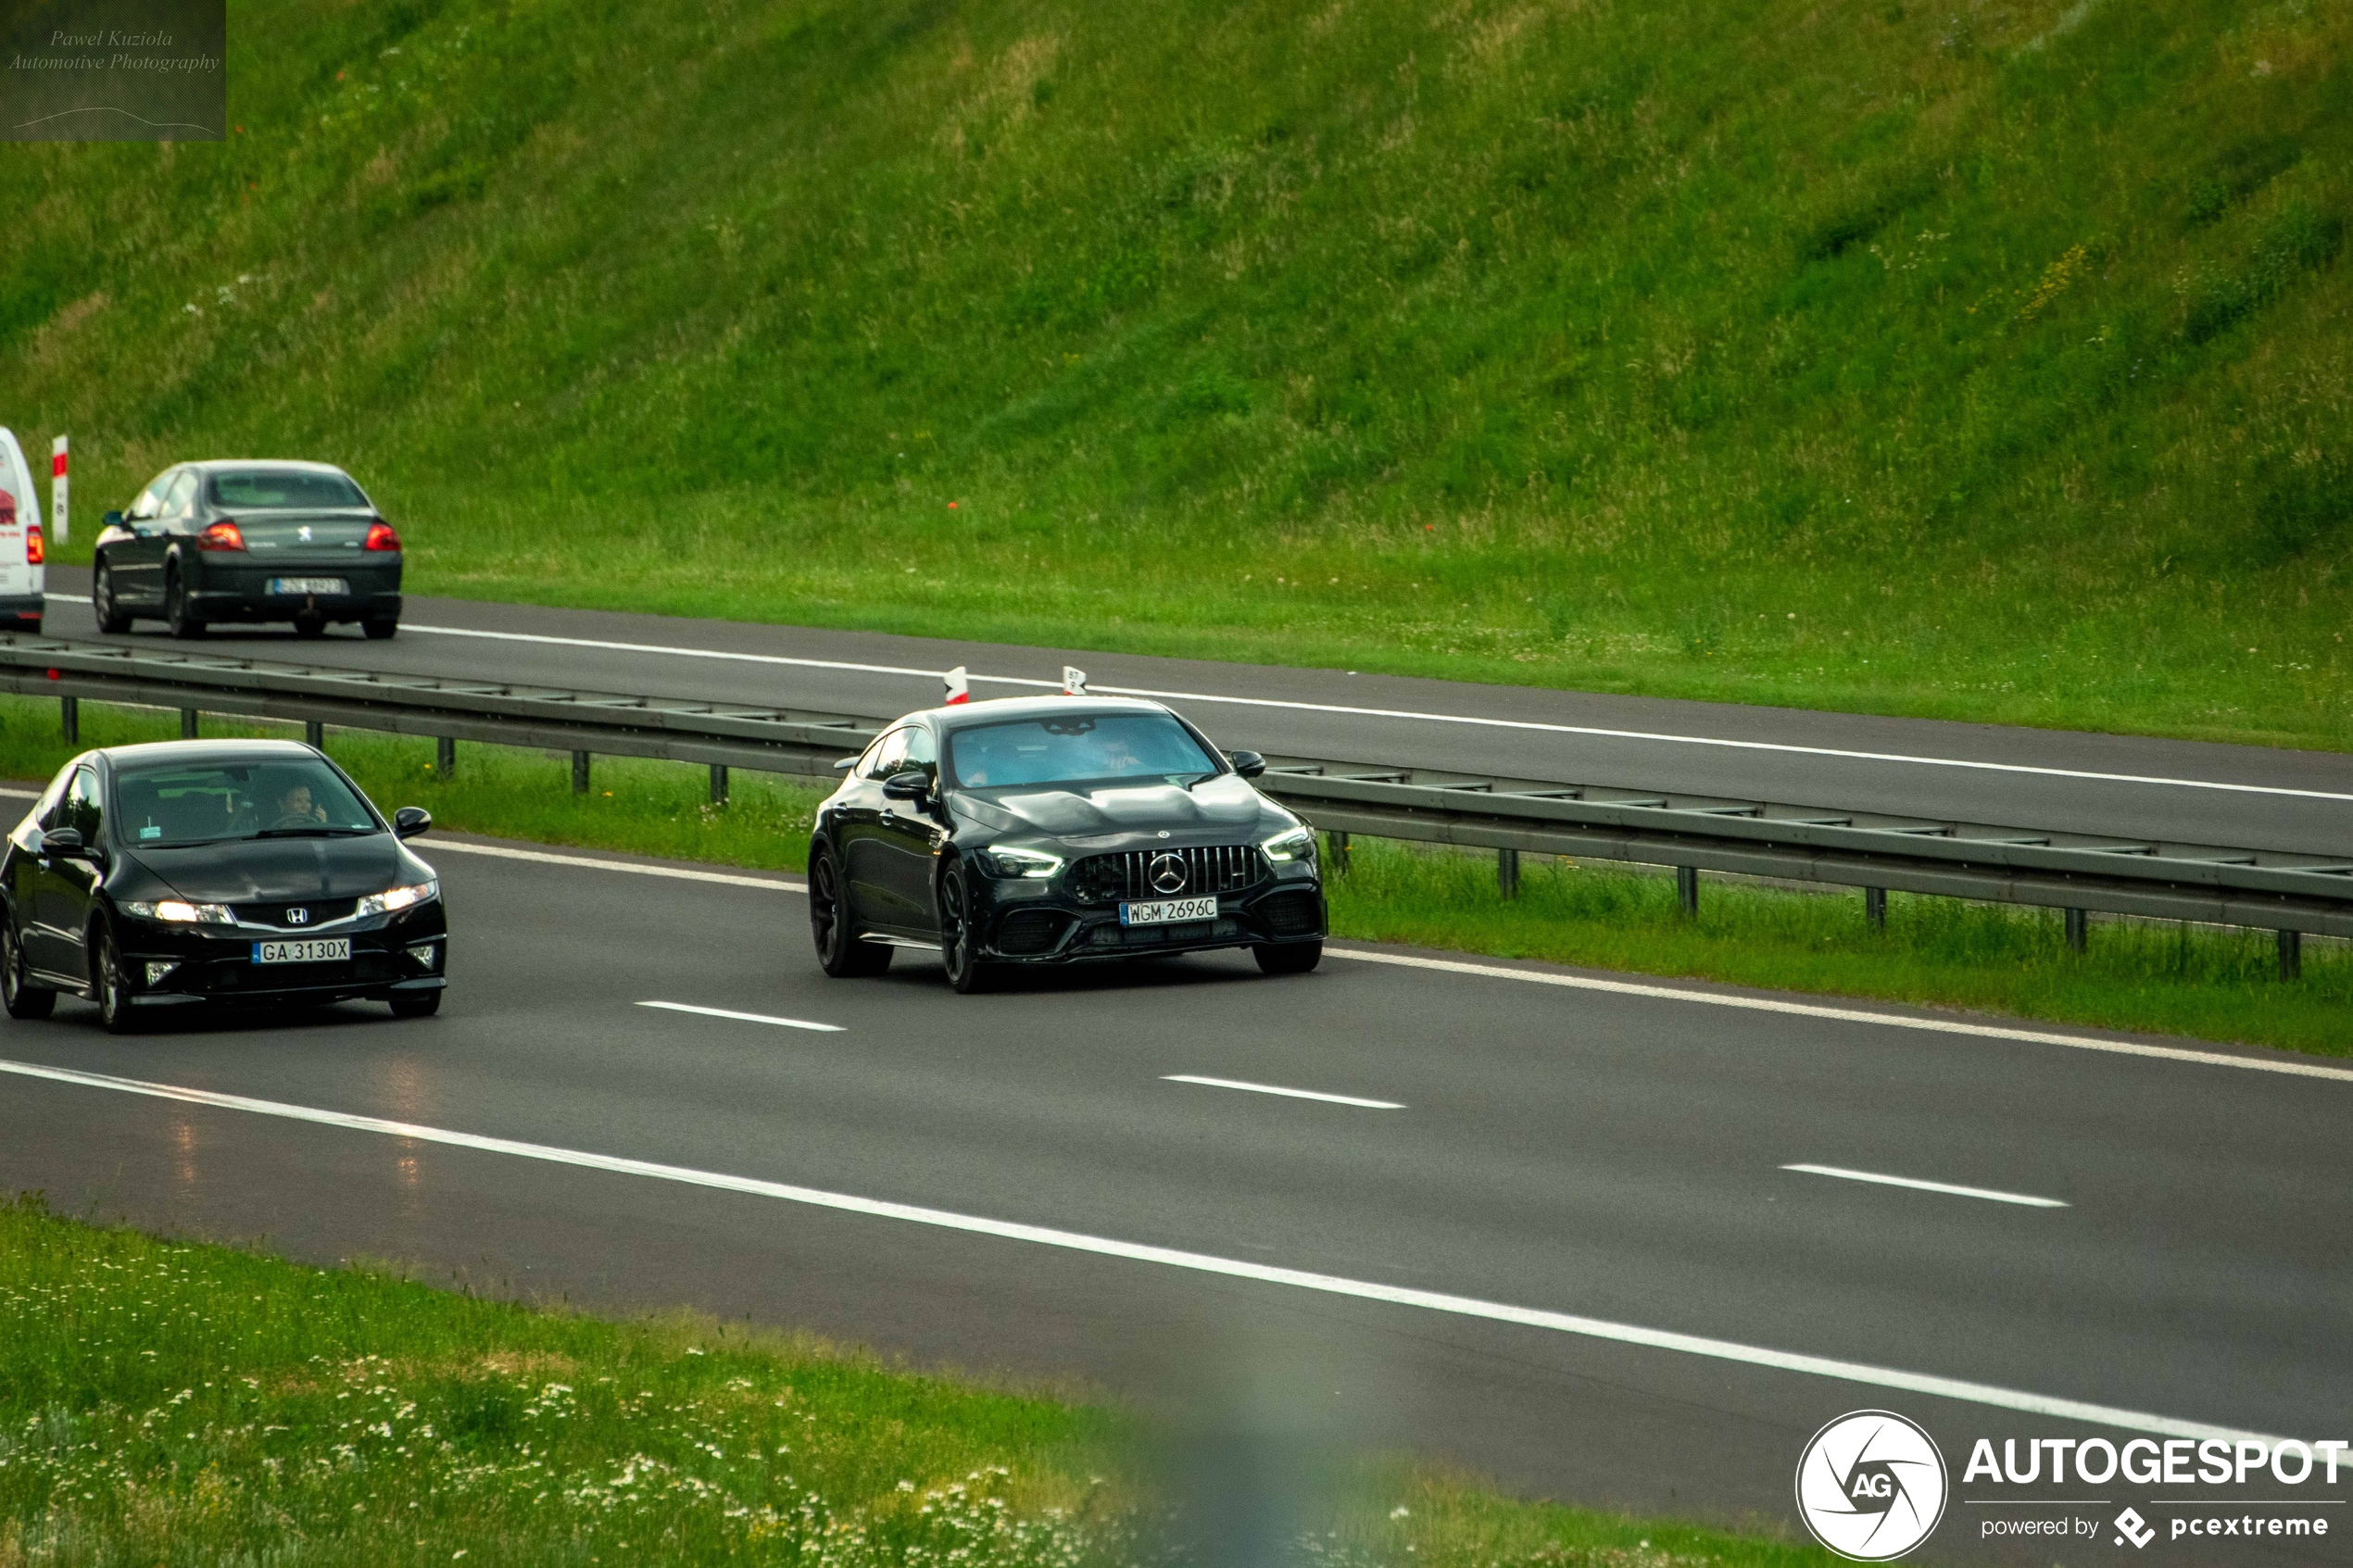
(382, 537)
(221, 536)
(35, 552)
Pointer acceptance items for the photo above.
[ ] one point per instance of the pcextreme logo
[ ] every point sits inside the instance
(1871, 1486)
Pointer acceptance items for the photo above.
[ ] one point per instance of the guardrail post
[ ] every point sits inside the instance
(580, 772)
(1687, 889)
(1335, 851)
(69, 718)
(2291, 955)
(2077, 931)
(187, 723)
(719, 784)
(1875, 908)
(314, 735)
(1507, 873)
(445, 758)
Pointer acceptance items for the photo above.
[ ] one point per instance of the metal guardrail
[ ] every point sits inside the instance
(2286, 892)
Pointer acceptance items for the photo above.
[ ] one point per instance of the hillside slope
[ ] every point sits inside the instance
(1987, 360)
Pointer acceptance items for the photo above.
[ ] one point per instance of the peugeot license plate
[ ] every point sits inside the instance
(333, 586)
(311, 949)
(1161, 912)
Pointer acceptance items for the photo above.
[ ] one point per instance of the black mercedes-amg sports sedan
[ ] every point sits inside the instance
(1043, 830)
(213, 542)
(187, 872)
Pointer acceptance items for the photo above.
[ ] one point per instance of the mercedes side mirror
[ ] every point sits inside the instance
(112, 519)
(411, 821)
(1249, 764)
(912, 785)
(63, 844)
(845, 764)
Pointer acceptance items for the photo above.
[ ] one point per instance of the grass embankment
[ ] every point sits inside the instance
(1976, 361)
(161, 1402)
(2215, 985)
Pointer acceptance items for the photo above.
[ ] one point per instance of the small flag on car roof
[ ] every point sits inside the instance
(1073, 681)
(959, 687)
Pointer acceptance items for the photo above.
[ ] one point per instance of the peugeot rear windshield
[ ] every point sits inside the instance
(1081, 748)
(199, 802)
(285, 490)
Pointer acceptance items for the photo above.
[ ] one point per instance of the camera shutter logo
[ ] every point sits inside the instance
(1168, 874)
(1871, 1486)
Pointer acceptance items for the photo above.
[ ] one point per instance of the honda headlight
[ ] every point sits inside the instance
(1009, 861)
(1292, 843)
(181, 912)
(395, 899)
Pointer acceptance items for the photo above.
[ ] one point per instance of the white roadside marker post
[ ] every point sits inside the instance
(57, 489)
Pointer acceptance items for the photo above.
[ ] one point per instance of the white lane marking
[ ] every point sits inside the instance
(1847, 1015)
(1200, 1263)
(21, 794)
(1347, 711)
(745, 1017)
(728, 656)
(680, 872)
(1988, 1193)
(1276, 1089)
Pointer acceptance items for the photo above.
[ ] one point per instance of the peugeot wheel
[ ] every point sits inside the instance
(22, 996)
(113, 620)
(960, 935)
(377, 631)
(177, 612)
(309, 626)
(841, 952)
(1288, 957)
(107, 983)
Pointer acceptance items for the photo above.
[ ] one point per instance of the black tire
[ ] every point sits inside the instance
(832, 923)
(113, 620)
(309, 626)
(960, 938)
(414, 1004)
(19, 993)
(177, 613)
(378, 630)
(1288, 958)
(109, 988)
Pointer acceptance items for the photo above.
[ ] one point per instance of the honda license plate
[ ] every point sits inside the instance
(1161, 912)
(311, 949)
(305, 586)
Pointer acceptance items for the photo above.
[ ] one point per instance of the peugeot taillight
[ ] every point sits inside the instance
(380, 537)
(221, 536)
(35, 552)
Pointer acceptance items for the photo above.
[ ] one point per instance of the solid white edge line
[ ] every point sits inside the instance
(1847, 1015)
(745, 1017)
(1276, 1089)
(726, 655)
(500, 851)
(1879, 1179)
(1924, 1384)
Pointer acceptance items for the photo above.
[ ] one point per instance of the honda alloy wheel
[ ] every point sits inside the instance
(22, 998)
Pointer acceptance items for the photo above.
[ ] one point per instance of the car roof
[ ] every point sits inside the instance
(999, 710)
(295, 465)
(207, 751)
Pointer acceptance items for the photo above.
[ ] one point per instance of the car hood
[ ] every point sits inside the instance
(260, 870)
(1223, 809)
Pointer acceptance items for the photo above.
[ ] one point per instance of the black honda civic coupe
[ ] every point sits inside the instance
(1044, 830)
(250, 873)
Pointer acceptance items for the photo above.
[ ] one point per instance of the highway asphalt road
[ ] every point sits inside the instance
(2175, 791)
(1540, 1148)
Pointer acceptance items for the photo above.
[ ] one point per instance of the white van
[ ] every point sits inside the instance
(22, 548)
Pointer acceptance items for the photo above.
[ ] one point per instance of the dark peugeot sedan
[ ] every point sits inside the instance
(1043, 830)
(248, 541)
(184, 873)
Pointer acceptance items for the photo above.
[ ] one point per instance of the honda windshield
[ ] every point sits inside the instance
(201, 802)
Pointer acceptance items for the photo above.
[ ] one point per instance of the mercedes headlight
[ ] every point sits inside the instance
(1292, 843)
(181, 912)
(1009, 861)
(395, 899)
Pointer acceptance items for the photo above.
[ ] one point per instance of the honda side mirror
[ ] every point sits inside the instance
(411, 821)
(63, 844)
(912, 785)
(1249, 764)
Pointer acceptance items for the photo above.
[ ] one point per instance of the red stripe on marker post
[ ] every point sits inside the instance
(959, 687)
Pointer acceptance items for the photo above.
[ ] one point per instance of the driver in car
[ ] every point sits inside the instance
(297, 810)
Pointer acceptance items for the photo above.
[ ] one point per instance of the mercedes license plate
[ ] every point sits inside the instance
(311, 949)
(334, 586)
(1163, 911)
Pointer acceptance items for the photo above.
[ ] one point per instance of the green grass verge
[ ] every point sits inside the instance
(1980, 361)
(1939, 952)
(163, 1402)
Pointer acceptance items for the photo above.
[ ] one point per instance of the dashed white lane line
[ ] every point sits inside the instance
(1198, 1262)
(1277, 1089)
(1847, 1015)
(745, 1017)
(1879, 1179)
